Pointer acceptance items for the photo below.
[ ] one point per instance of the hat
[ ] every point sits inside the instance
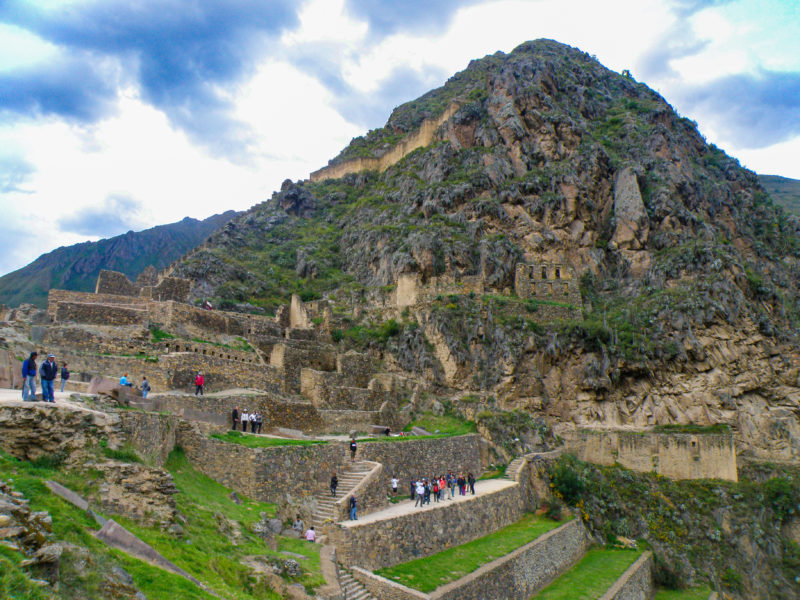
(51, 356)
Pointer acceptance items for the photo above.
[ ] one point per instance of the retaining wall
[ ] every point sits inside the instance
(636, 582)
(673, 455)
(378, 544)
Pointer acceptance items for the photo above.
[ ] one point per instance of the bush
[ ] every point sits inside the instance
(783, 495)
(555, 510)
(567, 481)
(668, 575)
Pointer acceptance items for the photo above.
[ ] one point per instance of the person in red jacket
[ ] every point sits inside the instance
(199, 382)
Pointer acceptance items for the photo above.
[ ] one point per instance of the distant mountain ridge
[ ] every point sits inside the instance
(784, 191)
(76, 267)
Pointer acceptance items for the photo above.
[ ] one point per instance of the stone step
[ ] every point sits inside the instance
(353, 590)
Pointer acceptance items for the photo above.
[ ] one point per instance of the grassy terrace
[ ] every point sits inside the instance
(696, 593)
(258, 441)
(592, 576)
(427, 574)
(203, 550)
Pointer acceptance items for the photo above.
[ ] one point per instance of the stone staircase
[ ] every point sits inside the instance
(512, 470)
(349, 477)
(353, 590)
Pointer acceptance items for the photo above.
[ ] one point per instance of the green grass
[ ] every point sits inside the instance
(14, 583)
(695, 593)
(253, 441)
(697, 429)
(495, 473)
(427, 574)
(445, 424)
(592, 576)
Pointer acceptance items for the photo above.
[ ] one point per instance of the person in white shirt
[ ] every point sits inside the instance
(311, 535)
(420, 493)
(252, 422)
(245, 419)
(395, 482)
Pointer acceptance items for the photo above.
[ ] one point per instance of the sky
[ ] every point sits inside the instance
(126, 114)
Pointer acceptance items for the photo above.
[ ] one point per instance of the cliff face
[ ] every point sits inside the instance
(688, 272)
(76, 267)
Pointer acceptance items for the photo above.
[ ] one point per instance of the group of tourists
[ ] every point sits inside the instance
(255, 419)
(48, 371)
(144, 386)
(352, 503)
(423, 489)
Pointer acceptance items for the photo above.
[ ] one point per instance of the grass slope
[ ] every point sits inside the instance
(427, 574)
(784, 191)
(696, 593)
(592, 576)
(204, 550)
(257, 441)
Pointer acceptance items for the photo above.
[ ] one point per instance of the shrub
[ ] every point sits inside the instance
(567, 481)
(783, 495)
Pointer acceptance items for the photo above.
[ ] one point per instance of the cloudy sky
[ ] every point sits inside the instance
(125, 114)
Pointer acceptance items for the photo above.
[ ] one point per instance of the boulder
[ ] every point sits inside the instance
(632, 224)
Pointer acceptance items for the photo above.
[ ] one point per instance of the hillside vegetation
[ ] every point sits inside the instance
(76, 267)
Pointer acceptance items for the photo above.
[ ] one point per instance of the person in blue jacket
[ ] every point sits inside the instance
(48, 372)
(29, 377)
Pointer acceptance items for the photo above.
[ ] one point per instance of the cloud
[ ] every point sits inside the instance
(115, 216)
(14, 171)
(751, 111)
(69, 87)
(179, 56)
(389, 16)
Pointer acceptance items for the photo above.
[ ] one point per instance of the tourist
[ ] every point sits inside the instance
(298, 525)
(311, 535)
(451, 482)
(353, 516)
(353, 448)
(64, 376)
(442, 487)
(199, 382)
(245, 420)
(252, 422)
(420, 493)
(145, 387)
(259, 421)
(461, 484)
(235, 416)
(334, 484)
(29, 377)
(395, 482)
(471, 481)
(123, 381)
(427, 492)
(435, 489)
(412, 489)
(48, 372)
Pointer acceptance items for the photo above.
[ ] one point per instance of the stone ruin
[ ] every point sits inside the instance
(148, 285)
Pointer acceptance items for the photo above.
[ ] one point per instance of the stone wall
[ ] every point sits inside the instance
(377, 544)
(385, 589)
(217, 410)
(522, 573)
(114, 283)
(371, 493)
(152, 435)
(55, 297)
(424, 458)
(99, 314)
(636, 582)
(674, 455)
(417, 139)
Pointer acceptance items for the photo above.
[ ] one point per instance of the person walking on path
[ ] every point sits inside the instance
(311, 535)
(461, 485)
(471, 482)
(334, 484)
(353, 449)
(395, 482)
(29, 377)
(48, 372)
(420, 492)
(435, 490)
(64, 376)
(199, 382)
(235, 417)
(253, 422)
(245, 420)
(353, 516)
(259, 422)
(145, 387)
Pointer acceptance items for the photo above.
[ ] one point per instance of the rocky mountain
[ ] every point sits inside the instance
(76, 267)
(784, 191)
(688, 272)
